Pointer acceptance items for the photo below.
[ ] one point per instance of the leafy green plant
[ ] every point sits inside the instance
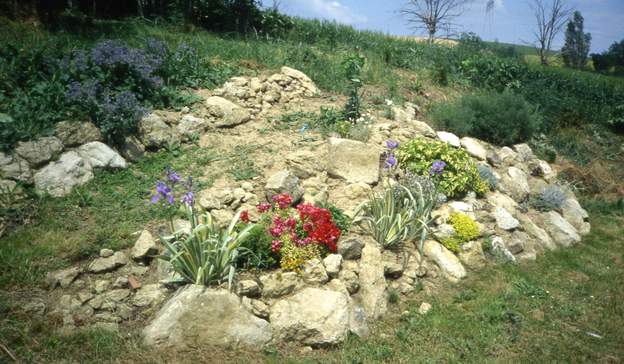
(459, 174)
(393, 219)
(502, 119)
(258, 245)
(466, 229)
(209, 253)
(353, 66)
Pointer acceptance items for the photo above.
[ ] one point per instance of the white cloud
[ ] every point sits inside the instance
(333, 10)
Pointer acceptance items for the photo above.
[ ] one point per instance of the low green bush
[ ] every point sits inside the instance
(452, 169)
(502, 119)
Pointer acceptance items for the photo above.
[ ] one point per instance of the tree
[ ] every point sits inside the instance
(550, 16)
(576, 47)
(433, 15)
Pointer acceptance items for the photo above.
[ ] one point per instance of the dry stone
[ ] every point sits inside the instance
(313, 272)
(149, 295)
(504, 220)
(353, 161)
(303, 79)
(576, 215)
(474, 148)
(561, 231)
(279, 284)
(191, 126)
(75, 133)
(284, 182)
(58, 178)
(63, 277)
(155, 133)
(351, 247)
(199, 317)
(446, 260)
(100, 155)
(332, 263)
(38, 152)
(145, 246)
(15, 168)
(449, 138)
(226, 113)
(372, 292)
(101, 265)
(132, 149)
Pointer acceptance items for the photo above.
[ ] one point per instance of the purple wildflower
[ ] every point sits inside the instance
(172, 176)
(390, 161)
(163, 191)
(437, 168)
(392, 144)
(188, 198)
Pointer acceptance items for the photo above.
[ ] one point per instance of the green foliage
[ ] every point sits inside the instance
(460, 174)
(502, 119)
(466, 229)
(577, 43)
(258, 245)
(292, 257)
(396, 218)
(353, 65)
(208, 255)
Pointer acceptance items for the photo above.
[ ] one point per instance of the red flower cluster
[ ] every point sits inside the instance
(319, 225)
(283, 200)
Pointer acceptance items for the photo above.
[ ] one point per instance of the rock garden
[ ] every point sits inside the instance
(311, 248)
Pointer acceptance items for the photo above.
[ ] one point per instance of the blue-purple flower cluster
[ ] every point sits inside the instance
(391, 160)
(166, 190)
(437, 168)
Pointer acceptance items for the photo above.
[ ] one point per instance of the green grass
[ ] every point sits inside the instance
(103, 213)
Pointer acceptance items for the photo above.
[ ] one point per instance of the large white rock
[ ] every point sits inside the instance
(100, 155)
(504, 220)
(541, 236)
(474, 148)
(227, 114)
(422, 128)
(353, 161)
(576, 215)
(372, 293)
(446, 260)
(515, 184)
(561, 231)
(449, 138)
(58, 178)
(198, 317)
(314, 317)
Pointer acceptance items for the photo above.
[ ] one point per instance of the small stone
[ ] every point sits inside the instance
(101, 285)
(353, 161)
(134, 282)
(393, 269)
(424, 308)
(446, 260)
(247, 186)
(507, 155)
(500, 250)
(332, 264)
(257, 307)
(284, 182)
(474, 148)
(105, 253)
(120, 282)
(38, 152)
(449, 138)
(85, 297)
(100, 155)
(107, 317)
(76, 133)
(350, 279)
(314, 272)
(149, 295)
(350, 248)
(63, 277)
(562, 232)
(35, 306)
(249, 288)
(504, 220)
(279, 284)
(101, 265)
(145, 246)
(524, 152)
(132, 149)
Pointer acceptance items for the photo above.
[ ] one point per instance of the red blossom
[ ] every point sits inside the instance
(283, 200)
(244, 216)
(263, 207)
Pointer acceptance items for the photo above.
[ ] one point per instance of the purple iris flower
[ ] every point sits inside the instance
(163, 191)
(172, 176)
(188, 198)
(390, 161)
(392, 144)
(437, 168)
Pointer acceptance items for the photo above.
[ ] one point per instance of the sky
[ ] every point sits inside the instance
(511, 21)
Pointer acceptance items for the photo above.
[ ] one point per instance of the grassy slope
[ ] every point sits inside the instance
(493, 316)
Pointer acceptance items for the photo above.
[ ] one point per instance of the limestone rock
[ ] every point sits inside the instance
(424, 308)
(303, 79)
(351, 247)
(474, 148)
(372, 292)
(58, 178)
(191, 126)
(498, 199)
(507, 156)
(257, 307)
(145, 246)
(249, 288)
(284, 182)
(226, 113)
(100, 155)
(63, 277)
(540, 168)
(101, 265)
(155, 133)
(149, 295)
(303, 163)
(471, 255)
(202, 317)
(560, 230)
(324, 322)
(515, 183)
(500, 250)
(350, 279)
(15, 168)
(423, 128)
(541, 236)
(449, 138)
(525, 153)
(38, 152)
(75, 133)
(504, 220)
(353, 161)
(576, 215)
(132, 149)
(279, 284)
(314, 272)
(446, 260)
(333, 263)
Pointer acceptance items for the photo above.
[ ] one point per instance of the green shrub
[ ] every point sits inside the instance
(551, 198)
(502, 119)
(459, 175)
(466, 229)
(258, 245)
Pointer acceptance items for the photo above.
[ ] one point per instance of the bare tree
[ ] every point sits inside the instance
(432, 15)
(276, 5)
(551, 16)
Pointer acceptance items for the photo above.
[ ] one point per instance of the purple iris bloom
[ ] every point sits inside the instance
(437, 168)
(172, 176)
(162, 191)
(392, 144)
(390, 161)
(188, 198)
